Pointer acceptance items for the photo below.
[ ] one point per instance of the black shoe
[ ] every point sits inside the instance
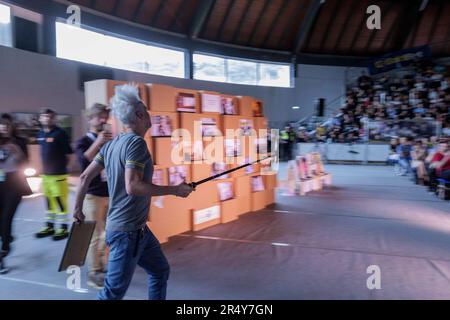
(45, 232)
(61, 234)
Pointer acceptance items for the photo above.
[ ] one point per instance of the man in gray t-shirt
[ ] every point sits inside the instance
(127, 212)
(129, 171)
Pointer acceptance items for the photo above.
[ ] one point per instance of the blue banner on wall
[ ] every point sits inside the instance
(398, 59)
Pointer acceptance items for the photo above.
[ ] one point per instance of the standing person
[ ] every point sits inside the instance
(129, 170)
(284, 144)
(96, 201)
(55, 151)
(12, 186)
(292, 143)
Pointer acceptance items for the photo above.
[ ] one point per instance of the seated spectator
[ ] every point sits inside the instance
(439, 165)
(419, 154)
(404, 151)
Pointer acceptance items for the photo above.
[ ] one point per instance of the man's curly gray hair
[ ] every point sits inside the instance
(126, 102)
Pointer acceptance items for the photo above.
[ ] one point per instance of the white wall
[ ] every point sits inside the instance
(30, 81)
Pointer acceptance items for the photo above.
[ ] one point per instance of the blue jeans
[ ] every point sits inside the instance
(128, 249)
(405, 163)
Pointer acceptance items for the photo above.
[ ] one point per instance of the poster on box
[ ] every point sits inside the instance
(229, 106)
(225, 190)
(206, 215)
(249, 169)
(161, 126)
(233, 148)
(177, 175)
(192, 151)
(218, 168)
(257, 184)
(211, 103)
(261, 145)
(245, 127)
(209, 127)
(158, 177)
(185, 102)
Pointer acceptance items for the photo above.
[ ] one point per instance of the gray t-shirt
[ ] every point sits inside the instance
(126, 213)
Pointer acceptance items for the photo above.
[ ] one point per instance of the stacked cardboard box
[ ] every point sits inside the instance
(187, 156)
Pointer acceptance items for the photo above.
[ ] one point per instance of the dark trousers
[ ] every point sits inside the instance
(445, 175)
(433, 182)
(434, 176)
(10, 199)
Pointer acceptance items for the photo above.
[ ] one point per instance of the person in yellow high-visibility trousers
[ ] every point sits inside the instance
(55, 151)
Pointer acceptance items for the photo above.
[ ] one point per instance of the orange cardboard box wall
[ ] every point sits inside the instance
(245, 104)
(162, 151)
(173, 218)
(161, 97)
(259, 200)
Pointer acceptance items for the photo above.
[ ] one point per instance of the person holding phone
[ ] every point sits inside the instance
(97, 198)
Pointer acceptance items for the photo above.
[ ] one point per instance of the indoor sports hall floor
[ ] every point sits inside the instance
(313, 247)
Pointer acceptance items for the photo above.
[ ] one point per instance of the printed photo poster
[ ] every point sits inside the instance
(185, 102)
(268, 166)
(209, 127)
(229, 106)
(206, 215)
(249, 169)
(211, 103)
(317, 162)
(217, 168)
(233, 148)
(161, 126)
(177, 175)
(261, 145)
(226, 191)
(246, 127)
(192, 151)
(302, 168)
(158, 177)
(257, 184)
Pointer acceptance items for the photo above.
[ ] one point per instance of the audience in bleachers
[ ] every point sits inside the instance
(408, 105)
(427, 161)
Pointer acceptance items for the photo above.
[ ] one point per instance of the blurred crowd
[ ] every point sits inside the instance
(425, 160)
(412, 103)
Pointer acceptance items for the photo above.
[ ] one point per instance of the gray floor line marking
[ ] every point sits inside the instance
(44, 284)
(29, 220)
(54, 286)
(361, 251)
(322, 195)
(342, 215)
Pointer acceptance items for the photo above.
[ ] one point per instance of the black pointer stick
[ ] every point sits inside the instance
(195, 184)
